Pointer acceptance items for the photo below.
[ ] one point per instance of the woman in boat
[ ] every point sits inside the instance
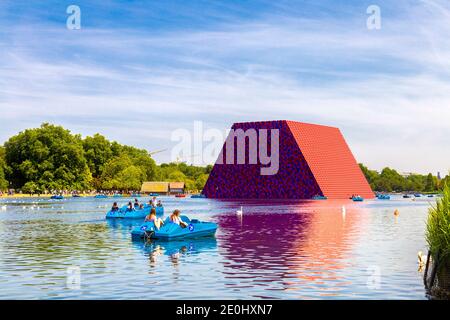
(175, 218)
(130, 206)
(115, 207)
(152, 217)
(154, 203)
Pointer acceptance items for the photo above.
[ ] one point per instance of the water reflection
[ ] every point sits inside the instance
(306, 245)
(274, 250)
(175, 250)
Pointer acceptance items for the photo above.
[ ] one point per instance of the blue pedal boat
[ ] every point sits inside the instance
(384, 197)
(101, 196)
(357, 199)
(57, 197)
(125, 213)
(198, 196)
(170, 230)
(319, 198)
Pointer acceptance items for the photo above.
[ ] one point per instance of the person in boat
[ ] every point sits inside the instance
(141, 206)
(136, 203)
(154, 202)
(130, 206)
(159, 204)
(115, 207)
(175, 218)
(152, 217)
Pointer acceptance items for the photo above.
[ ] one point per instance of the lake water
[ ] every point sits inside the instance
(280, 250)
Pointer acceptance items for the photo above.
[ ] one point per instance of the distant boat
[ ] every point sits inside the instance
(430, 196)
(136, 195)
(180, 195)
(75, 195)
(417, 195)
(406, 196)
(198, 196)
(384, 197)
(154, 194)
(319, 198)
(57, 197)
(101, 196)
(357, 199)
(117, 195)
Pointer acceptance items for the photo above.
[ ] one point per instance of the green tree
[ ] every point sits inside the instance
(97, 150)
(30, 187)
(176, 176)
(430, 183)
(3, 170)
(49, 156)
(371, 175)
(121, 174)
(201, 181)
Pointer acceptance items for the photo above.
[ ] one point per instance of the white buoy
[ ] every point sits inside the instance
(344, 212)
(240, 212)
(3, 208)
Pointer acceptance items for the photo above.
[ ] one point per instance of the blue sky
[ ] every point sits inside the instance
(138, 70)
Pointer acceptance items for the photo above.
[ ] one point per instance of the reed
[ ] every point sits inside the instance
(438, 238)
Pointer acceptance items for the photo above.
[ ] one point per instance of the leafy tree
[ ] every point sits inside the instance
(121, 174)
(97, 150)
(176, 176)
(371, 175)
(3, 169)
(49, 156)
(201, 181)
(131, 178)
(430, 183)
(30, 187)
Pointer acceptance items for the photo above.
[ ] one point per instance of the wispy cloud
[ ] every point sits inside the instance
(388, 89)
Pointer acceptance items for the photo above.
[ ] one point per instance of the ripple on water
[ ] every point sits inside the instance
(285, 250)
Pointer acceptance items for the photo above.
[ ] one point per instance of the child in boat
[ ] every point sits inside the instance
(152, 217)
(136, 203)
(115, 207)
(175, 218)
(141, 206)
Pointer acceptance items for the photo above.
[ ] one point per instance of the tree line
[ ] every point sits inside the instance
(51, 158)
(389, 180)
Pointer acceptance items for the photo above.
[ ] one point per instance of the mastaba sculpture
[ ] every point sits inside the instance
(285, 160)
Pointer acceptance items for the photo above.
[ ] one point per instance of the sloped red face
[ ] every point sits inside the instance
(312, 159)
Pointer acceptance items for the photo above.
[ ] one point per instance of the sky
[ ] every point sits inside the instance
(137, 71)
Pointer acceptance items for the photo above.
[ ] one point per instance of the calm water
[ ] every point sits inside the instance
(287, 250)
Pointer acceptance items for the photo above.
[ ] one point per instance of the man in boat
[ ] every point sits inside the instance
(136, 203)
(175, 218)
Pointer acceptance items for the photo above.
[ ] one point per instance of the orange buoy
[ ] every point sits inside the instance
(396, 213)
